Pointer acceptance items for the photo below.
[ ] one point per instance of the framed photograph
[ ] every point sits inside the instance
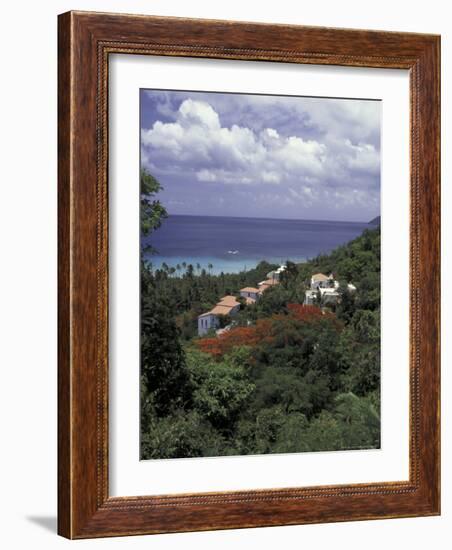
(248, 275)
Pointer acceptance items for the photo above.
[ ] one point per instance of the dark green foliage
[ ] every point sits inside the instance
(184, 434)
(289, 276)
(164, 375)
(151, 210)
(163, 365)
(359, 349)
(303, 383)
(220, 390)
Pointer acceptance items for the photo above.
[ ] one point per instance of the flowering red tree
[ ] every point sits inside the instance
(311, 314)
(265, 330)
(306, 313)
(236, 337)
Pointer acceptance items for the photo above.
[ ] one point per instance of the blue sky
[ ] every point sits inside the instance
(263, 156)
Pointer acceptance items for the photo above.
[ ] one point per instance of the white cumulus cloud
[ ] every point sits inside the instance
(305, 151)
(197, 142)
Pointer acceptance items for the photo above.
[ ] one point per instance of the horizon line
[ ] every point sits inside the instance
(268, 218)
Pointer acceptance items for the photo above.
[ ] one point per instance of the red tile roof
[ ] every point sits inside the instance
(228, 301)
(249, 289)
(220, 309)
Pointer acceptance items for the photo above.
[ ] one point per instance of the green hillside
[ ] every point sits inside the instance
(285, 378)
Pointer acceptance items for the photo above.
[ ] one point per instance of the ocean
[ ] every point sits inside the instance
(235, 244)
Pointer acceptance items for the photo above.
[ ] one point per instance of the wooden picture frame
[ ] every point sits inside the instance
(86, 40)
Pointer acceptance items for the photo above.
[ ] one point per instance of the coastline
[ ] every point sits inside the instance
(219, 265)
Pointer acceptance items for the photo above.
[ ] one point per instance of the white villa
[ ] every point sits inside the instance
(274, 275)
(206, 321)
(251, 293)
(310, 297)
(319, 280)
(228, 305)
(327, 286)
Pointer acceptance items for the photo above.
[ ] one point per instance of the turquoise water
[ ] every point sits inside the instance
(219, 265)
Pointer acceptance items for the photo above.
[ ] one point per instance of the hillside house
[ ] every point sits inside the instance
(329, 296)
(231, 302)
(207, 321)
(325, 288)
(228, 305)
(319, 280)
(310, 297)
(250, 292)
(268, 283)
(275, 274)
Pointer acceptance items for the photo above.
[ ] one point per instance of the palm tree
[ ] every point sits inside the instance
(209, 267)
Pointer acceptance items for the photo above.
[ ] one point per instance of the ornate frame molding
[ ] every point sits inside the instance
(85, 42)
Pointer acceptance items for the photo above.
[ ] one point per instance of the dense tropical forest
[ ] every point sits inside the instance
(286, 377)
